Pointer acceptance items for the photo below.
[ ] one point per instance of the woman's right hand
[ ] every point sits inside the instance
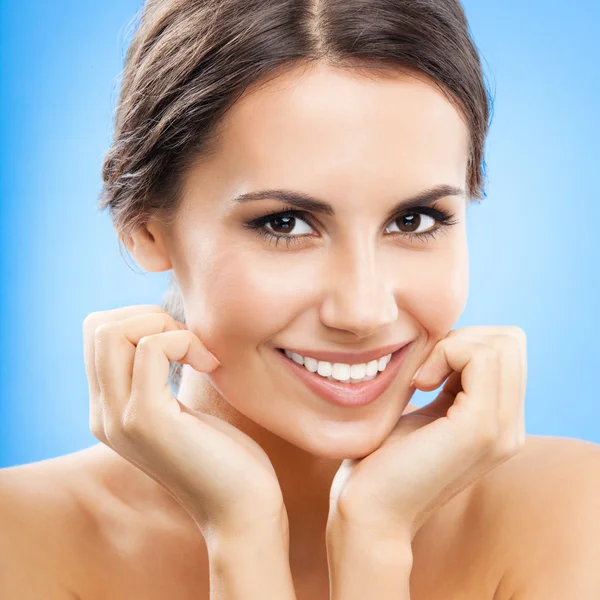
(222, 477)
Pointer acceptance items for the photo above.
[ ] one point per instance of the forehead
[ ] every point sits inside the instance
(325, 127)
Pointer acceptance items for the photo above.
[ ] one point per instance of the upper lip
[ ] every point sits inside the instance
(349, 358)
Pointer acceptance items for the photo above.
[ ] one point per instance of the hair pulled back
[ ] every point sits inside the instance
(190, 60)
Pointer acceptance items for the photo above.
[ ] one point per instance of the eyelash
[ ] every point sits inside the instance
(443, 219)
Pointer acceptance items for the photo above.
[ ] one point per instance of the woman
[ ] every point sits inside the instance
(304, 169)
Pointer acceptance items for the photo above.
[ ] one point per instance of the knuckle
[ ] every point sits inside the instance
(458, 331)
(130, 426)
(105, 330)
(513, 343)
(488, 354)
(507, 344)
(115, 432)
(517, 333)
(91, 322)
(169, 322)
(151, 308)
(444, 347)
(146, 343)
(94, 319)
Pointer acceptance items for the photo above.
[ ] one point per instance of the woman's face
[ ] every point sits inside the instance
(356, 277)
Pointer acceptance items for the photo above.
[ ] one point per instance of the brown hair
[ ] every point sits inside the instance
(190, 60)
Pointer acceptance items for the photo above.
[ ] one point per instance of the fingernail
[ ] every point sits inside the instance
(416, 375)
(216, 359)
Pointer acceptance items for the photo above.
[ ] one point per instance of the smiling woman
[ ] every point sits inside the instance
(357, 271)
(304, 168)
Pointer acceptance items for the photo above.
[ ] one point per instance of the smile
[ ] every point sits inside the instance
(345, 384)
(352, 374)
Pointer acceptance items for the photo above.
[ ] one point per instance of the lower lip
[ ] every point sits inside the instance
(349, 394)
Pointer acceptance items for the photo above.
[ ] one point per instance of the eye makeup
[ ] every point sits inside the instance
(443, 219)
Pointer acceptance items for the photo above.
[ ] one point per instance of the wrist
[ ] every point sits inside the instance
(245, 533)
(250, 564)
(376, 543)
(257, 546)
(219, 527)
(369, 525)
(365, 562)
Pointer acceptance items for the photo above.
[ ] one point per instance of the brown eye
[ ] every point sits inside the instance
(411, 223)
(287, 224)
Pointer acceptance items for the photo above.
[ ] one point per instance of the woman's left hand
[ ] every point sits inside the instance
(475, 424)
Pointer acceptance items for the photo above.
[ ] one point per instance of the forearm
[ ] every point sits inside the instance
(251, 566)
(363, 564)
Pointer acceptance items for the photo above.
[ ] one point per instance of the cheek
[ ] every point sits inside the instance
(242, 299)
(442, 295)
(246, 300)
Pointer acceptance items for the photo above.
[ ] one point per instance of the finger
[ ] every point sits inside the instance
(462, 438)
(511, 397)
(95, 319)
(511, 344)
(509, 330)
(478, 365)
(149, 386)
(115, 348)
(90, 323)
(523, 345)
(444, 400)
(521, 339)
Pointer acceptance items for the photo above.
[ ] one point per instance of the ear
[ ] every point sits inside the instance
(148, 248)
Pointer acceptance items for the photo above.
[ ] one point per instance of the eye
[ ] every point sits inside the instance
(288, 224)
(293, 227)
(410, 223)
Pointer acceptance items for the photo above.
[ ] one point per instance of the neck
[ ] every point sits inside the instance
(304, 479)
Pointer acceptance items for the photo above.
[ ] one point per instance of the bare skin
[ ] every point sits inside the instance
(94, 526)
(106, 530)
(136, 540)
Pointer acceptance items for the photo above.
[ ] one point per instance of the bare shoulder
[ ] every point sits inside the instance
(41, 521)
(82, 526)
(540, 512)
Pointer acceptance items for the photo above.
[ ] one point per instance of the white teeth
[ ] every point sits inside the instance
(341, 371)
(358, 371)
(354, 381)
(324, 368)
(372, 367)
(297, 358)
(311, 364)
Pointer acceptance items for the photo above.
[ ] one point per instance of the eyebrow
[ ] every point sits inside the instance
(304, 201)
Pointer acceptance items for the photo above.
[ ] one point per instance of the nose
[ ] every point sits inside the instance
(360, 296)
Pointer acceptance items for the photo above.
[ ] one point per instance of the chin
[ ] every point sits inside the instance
(339, 441)
(342, 451)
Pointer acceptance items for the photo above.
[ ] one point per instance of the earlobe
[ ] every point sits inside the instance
(147, 247)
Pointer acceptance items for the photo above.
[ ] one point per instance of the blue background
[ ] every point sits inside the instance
(534, 242)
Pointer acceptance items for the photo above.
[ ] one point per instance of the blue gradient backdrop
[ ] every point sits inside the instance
(534, 242)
